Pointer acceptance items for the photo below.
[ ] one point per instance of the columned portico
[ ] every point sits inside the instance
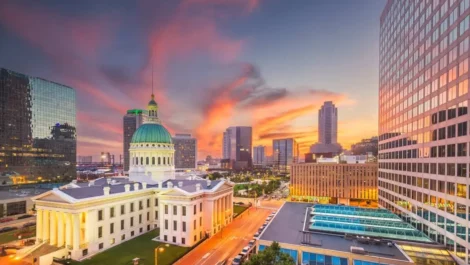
(60, 230)
(68, 230)
(39, 229)
(45, 225)
(53, 228)
(76, 231)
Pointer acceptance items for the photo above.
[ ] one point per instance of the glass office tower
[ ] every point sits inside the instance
(37, 127)
(423, 117)
(285, 153)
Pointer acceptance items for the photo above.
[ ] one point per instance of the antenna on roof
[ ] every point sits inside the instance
(152, 78)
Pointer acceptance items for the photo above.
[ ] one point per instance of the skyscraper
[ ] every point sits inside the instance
(285, 153)
(37, 127)
(423, 118)
(237, 145)
(328, 123)
(327, 130)
(131, 121)
(185, 151)
(259, 157)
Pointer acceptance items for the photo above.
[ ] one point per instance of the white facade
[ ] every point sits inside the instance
(151, 162)
(92, 224)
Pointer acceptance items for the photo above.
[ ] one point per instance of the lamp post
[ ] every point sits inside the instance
(159, 249)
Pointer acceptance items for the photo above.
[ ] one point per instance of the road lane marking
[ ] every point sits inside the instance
(207, 255)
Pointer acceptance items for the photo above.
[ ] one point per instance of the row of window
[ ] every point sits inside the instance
(183, 211)
(183, 225)
(448, 206)
(131, 224)
(159, 160)
(123, 209)
(445, 169)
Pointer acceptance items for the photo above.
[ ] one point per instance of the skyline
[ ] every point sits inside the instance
(202, 48)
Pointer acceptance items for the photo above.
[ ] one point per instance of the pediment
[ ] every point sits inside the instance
(173, 192)
(50, 196)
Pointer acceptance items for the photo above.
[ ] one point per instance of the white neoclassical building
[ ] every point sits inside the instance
(151, 150)
(86, 218)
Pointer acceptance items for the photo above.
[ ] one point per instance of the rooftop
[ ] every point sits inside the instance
(20, 193)
(292, 225)
(95, 188)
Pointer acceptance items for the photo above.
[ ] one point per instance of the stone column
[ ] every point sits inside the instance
(45, 225)
(60, 229)
(53, 228)
(68, 230)
(90, 225)
(76, 231)
(39, 227)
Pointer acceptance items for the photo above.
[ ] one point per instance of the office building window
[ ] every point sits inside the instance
(132, 207)
(184, 226)
(122, 224)
(183, 240)
(156, 202)
(132, 221)
(166, 224)
(174, 239)
(111, 212)
(148, 203)
(175, 210)
(166, 209)
(100, 232)
(141, 205)
(100, 215)
(123, 207)
(184, 210)
(111, 228)
(175, 225)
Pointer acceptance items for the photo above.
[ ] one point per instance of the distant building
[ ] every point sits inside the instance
(335, 182)
(285, 153)
(185, 151)
(38, 136)
(133, 119)
(237, 146)
(327, 130)
(85, 159)
(365, 146)
(259, 157)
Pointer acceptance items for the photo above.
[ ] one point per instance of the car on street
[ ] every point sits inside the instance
(245, 251)
(256, 235)
(252, 243)
(237, 260)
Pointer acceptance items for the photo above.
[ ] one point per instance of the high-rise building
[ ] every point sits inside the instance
(237, 145)
(131, 121)
(259, 157)
(185, 151)
(328, 123)
(423, 118)
(37, 127)
(285, 153)
(327, 131)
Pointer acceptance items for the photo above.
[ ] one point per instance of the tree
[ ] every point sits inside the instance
(271, 255)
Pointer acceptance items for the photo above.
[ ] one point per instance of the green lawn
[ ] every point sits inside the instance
(13, 235)
(237, 210)
(142, 247)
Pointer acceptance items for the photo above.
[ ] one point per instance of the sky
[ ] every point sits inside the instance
(269, 64)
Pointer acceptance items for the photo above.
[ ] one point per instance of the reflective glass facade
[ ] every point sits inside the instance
(285, 153)
(423, 117)
(37, 127)
(185, 151)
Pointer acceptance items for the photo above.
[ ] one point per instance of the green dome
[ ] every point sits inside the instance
(151, 133)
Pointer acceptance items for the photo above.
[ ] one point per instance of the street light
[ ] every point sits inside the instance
(159, 249)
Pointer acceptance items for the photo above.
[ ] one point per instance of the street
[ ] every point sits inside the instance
(232, 239)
